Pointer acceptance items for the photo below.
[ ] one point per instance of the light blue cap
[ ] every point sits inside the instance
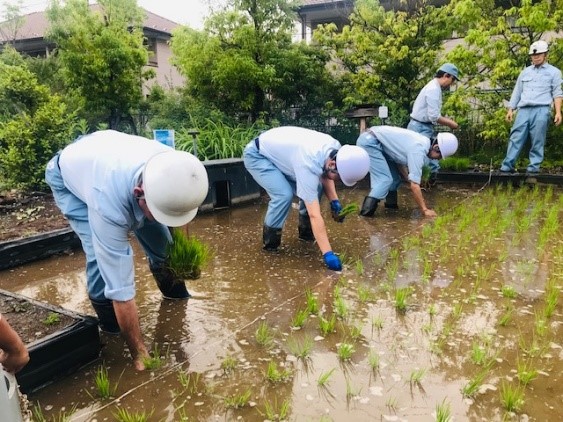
(451, 69)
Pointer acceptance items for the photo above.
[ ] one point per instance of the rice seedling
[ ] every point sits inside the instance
(526, 373)
(506, 317)
(457, 311)
(508, 291)
(512, 398)
(355, 331)
(401, 298)
(236, 401)
(154, 360)
(324, 378)
(327, 326)
(533, 348)
(228, 365)
(471, 388)
(340, 307)
(312, 302)
(190, 382)
(373, 360)
(377, 322)
(479, 354)
(365, 294)
(274, 375)
(359, 267)
(124, 415)
(540, 324)
(63, 416)
(351, 391)
(551, 298)
(264, 335)
(345, 351)
(52, 319)
(443, 412)
(416, 376)
(103, 384)
(392, 403)
(300, 348)
(299, 318)
(186, 255)
(432, 311)
(274, 412)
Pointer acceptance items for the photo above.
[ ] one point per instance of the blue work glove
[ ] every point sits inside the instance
(335, 208)
(332, 261)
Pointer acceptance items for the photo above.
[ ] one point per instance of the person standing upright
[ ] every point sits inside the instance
(427, 108)
(537, 87)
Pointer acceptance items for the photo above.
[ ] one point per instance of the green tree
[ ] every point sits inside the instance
(495, 50)
(386, 57)
(244, 63)
(34, 125)
(103, 57)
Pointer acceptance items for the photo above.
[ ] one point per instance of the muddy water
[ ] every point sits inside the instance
(403, 364)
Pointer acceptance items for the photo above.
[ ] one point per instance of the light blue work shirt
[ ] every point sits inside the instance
(300, 154)
(536, 86)
(102, 169)
(404, 147)
(427, 107)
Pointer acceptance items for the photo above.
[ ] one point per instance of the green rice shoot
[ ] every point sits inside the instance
(187, 255)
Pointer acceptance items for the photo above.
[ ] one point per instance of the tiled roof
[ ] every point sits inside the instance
(35, 25)
(318, 2)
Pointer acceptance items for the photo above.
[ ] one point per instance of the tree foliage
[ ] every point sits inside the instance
(245, 63)
(34, 125)
(386, 57)
(495, 50)
(103, 56)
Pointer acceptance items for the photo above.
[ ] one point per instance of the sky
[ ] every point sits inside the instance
(186, 12)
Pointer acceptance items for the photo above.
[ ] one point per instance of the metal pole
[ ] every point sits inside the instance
(194, 133)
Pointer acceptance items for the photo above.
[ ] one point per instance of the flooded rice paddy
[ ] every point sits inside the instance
(455, 318)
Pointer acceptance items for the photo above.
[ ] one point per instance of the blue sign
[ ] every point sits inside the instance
(164, 136)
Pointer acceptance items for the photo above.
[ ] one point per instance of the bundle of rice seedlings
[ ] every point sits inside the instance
(186, 255)
(349, 209)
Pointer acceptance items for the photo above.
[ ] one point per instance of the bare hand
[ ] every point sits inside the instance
(557, 119)
(509, 114)
(429, 213)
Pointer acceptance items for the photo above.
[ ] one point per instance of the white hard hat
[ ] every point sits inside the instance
(352, 163)
(538, 47)
(175, 184)
(448, 143)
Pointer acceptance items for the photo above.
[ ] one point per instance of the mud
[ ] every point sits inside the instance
(403, 366)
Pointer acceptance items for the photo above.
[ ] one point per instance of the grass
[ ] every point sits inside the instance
(401, 299)
(190, 382)
(155, 360)
(472, 387)
(526, 373)
(416, 376)
(373, 360)
(508, 291)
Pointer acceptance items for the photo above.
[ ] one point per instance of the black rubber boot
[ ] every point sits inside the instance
(391, 200)
(305, 230)
(106, 316)
(369, 206)
(170, 286)
(271, 238)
